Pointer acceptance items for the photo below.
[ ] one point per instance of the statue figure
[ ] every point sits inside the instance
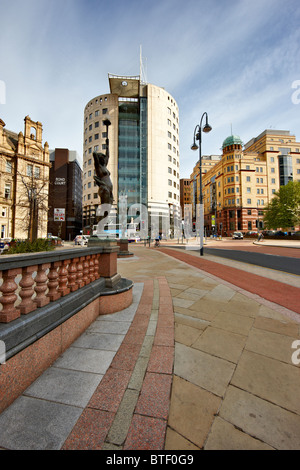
(102, 177)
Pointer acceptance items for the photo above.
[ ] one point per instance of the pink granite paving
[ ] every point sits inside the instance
(90, 430)
(146, 433)
(109, 393)
(155, 396)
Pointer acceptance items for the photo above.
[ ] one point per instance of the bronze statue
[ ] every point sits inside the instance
(102, 177)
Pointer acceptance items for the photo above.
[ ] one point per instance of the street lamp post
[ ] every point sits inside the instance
(198, 136)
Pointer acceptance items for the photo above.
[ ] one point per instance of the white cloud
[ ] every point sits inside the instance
(234, 59)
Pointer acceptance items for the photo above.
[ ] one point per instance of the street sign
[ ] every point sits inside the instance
(59, 215)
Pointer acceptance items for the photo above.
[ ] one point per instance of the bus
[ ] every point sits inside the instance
(115, 231)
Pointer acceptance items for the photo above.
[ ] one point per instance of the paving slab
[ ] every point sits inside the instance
(31, 424)
(277, 427)
(221, 343)
(202, 369)
(225, 436)
(192, 411)
(270, 379)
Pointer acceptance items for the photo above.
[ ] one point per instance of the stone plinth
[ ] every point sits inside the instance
(123, 246)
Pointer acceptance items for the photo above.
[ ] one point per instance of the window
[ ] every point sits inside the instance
(36, 171)
(248, 190)
(96, 136)
(272, 170)
(97, 124)
(8, 166)
(96, 113)
(90, 127)
(29, 170)
(170, 182)
(7, 191)
(248, 201)
(273, 180)
(248, 178)
(169, 170)
(3, 212)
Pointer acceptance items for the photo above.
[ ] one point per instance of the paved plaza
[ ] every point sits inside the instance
(199, 361)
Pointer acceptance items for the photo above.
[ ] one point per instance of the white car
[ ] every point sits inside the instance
(81, 240)
(237, 235)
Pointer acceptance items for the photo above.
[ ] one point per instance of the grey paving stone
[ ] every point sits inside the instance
(85, 360)
(103, 326)
(65, 386)
(104, 341)
(32, 424)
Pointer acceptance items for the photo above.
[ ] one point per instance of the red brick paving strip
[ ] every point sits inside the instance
(274, 291)
(148, 426)
(149, 423)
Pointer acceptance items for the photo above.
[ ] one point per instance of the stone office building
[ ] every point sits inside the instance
(238, 188)
(143, 143)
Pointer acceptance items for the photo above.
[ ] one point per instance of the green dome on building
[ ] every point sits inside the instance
(232, 140)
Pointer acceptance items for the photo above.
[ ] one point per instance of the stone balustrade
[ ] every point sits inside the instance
(31, 281)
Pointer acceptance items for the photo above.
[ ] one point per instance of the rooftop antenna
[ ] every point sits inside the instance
(143, 76)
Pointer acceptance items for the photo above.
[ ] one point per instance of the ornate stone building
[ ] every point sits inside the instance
(24, 182)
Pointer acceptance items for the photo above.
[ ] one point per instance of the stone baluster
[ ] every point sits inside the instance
(9, 311)
(27, 304)
(63, 278)
(72, 275)
(41, 285)
(79, 277)
(86, 270)
(92, 268)
(53, 293)
(96, 270)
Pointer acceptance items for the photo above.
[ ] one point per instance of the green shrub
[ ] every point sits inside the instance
(25, 246)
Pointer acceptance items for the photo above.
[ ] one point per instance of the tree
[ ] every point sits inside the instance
(34, 200)
(284, 209)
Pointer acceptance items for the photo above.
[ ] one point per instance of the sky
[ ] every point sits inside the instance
(236, 60)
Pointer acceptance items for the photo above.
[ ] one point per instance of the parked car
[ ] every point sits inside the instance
(237, 235)
(81, 240)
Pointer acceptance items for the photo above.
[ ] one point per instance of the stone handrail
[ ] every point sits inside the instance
(57, 274)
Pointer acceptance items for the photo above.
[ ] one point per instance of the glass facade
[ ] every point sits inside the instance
(285, 166)
(132, 151)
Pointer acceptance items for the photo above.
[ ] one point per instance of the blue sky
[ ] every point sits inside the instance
(234, 59)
